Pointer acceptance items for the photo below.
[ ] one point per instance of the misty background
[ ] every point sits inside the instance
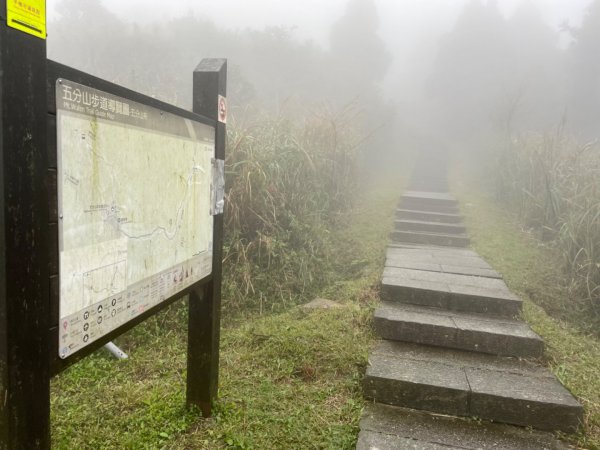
(449, 70)
(511, 86)
(332, 105)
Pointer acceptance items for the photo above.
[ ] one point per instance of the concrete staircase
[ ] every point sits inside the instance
(433, 227)
(452, 344)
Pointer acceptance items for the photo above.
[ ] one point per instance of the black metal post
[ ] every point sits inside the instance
(210, 83)
(24, 287)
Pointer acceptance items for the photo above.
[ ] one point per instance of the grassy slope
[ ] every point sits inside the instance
(287, 381)
(532, 271)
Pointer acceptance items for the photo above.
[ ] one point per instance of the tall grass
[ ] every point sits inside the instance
(554, 183)
(287, 184)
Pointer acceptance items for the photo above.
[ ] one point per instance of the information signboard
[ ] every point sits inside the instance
(134, 201)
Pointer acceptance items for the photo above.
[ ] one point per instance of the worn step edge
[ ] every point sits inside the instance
(435, 227)
(449, 387)
(446, 240)
(442, 268)
(427, 207)
(428, 294)
(415, 246)
(429, 253)
(411, 214)
(388, 427)
(437, 250)
(429, 326)
(430, 261)
(438, 198)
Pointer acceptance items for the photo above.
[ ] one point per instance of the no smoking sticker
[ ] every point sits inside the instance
(28, 16)
(222, 109)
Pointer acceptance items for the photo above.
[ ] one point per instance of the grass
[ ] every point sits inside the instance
(533, 270)
(287, 380)
(288, 184)
(551, 180)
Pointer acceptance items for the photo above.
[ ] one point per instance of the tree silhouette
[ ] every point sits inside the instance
(537, 71)
(472, 61)
(584, 74)
(493, 74)
(359, 59)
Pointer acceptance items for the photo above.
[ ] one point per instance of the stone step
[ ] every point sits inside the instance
(387, 427)
(470, 384)
(428, 184)
(427, 227)
(430, 326)
(426, 187)
(433, 259)
(416, 205)
(450, 291)
(431, 198)
(409, 245)
(448, 240)
(445, 251)
(429, 201)
(409, 214)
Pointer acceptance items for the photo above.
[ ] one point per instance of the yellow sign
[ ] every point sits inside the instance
(28, 16)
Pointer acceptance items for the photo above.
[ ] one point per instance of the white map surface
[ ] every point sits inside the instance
(133, 204)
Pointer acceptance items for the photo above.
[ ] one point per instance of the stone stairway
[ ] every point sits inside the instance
(452, 344)
(429, 218)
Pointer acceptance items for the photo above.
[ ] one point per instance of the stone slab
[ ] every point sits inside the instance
(420, 205)
(387, 427)
(462, 331)
(422, 384)
(432, 267)
(410, 324)
(448, 240)
(462, 270)
(430, 260)
(512, 398)
(409, 214)
(450, 291)
(440, 197)
(409, 351)
(433, 227)
(370, 440)
(496, 388)
(435, 250)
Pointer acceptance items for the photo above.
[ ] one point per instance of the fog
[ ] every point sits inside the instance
(453, 70)
(334, 108)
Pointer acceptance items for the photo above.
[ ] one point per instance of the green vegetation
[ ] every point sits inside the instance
(287, 380)
(552, 182)
(533, 270)
(288, 185)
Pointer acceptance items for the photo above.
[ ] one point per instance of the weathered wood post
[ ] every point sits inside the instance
(36, 341)
(24, 298)
(210, 84)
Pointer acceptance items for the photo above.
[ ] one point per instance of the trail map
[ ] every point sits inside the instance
(135, 224)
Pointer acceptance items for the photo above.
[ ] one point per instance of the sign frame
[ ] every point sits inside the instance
(29, 284)
(58, 71)
(110, 149)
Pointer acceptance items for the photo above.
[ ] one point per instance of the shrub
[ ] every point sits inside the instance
(554, 182)
(287, 184)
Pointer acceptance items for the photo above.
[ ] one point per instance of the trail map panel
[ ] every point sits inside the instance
(134, 195)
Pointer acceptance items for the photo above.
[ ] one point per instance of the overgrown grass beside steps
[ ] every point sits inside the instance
(533, 270)
(553, 182)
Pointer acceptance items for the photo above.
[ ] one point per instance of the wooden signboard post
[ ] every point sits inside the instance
(81, 224)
